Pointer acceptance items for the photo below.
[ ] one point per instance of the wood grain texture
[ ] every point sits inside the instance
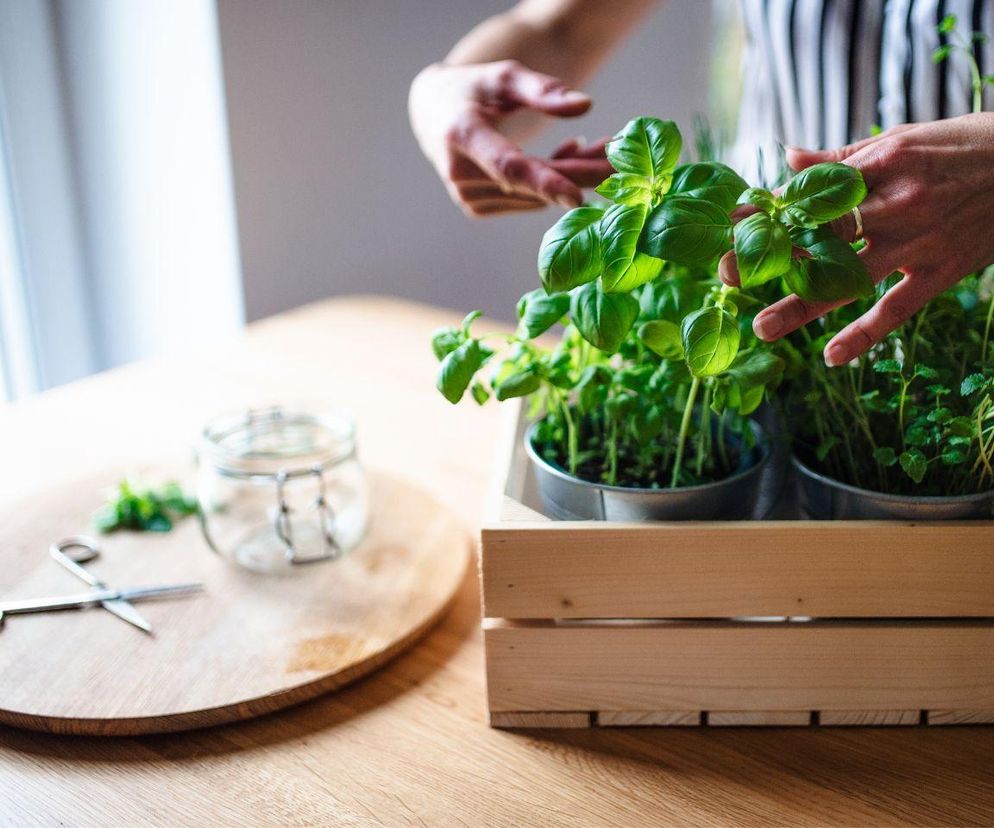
(542, 720)
(758, 718)
(960, 717)
(740, 667)
(410, 744)
(734, 569)
(249, 644)
(659, 718)
(869, 718)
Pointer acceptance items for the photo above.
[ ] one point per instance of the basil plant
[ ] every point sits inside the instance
(656, 369)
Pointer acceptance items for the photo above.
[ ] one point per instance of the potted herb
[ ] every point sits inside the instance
(643, 407)
(907, 430)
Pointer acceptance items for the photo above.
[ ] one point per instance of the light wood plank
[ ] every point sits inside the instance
(732, 569)
(868, 718)
(960, 717)
(542, 720)
(688, 666)
(759, 718)
(658, 718)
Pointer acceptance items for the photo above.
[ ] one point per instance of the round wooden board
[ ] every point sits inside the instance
(250, 644)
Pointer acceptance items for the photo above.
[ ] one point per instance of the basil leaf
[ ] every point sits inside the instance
(624, 268)
(758, 197)
(648, 147)
(710, 341)
(914, 464)
(603, 319)
(518, 385)
(538, 311)
(592, 388)
(626, 188)
(762, 249)
(479, 392)
(570, 254)
(686, 230)
(663, 338)
(750, 399)
(833, 273)
(821, 193)
(756, 366)
(709, 180)
(458, 368)
(444, 341)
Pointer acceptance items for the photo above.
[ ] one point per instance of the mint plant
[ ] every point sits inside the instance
(916, 414)
(657, 370)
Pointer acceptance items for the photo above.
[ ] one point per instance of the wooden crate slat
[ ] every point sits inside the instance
(538, 719)
(759, 718)
(960, 717)
(713, 570)
(844, 666)
(869, 718)
(635, 718)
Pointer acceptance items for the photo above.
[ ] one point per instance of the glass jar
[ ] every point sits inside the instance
(281, 486)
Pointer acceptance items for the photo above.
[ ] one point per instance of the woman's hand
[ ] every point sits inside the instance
(929, 214)
(456, 112)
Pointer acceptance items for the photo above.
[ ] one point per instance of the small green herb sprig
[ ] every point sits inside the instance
(957, 43)
(656, 368)
(143, 508)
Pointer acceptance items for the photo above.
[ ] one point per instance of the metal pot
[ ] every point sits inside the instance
(565, 497)
(823, 498)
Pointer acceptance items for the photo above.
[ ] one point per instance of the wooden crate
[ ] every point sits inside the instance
(787, 622)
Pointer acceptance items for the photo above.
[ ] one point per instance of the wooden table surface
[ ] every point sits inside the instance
(410, 745)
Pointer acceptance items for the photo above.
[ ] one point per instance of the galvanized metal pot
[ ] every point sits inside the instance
(823, 498)
(565, 497)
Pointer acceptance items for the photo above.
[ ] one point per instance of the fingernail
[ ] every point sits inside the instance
(794, 149)
(572, 96)
(836, 354)
(567, 202)
(768, 326)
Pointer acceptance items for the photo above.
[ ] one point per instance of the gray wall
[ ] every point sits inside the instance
(333, 195)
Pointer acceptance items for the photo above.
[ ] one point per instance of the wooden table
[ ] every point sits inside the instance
(410, 745)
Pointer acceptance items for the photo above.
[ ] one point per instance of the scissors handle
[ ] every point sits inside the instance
(65, 555)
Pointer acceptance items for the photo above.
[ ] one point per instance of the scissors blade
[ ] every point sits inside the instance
(94, 597)
(123, 610)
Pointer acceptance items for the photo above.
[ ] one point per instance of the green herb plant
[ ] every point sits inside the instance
(145, 509)
(656, 369)
(954, 42)
(915, 415)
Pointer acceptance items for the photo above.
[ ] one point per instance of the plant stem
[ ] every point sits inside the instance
(681, 442)
(571, 435)
(704, 434)
(987, 334)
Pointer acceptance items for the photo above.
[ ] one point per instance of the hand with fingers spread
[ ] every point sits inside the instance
(457, 111)
(928, 214)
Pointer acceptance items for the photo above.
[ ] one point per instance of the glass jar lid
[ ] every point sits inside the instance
(278, 441)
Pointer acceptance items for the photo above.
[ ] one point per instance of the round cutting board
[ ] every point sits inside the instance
(248, 645)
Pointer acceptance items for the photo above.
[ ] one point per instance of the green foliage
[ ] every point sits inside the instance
(642, 369)
(603, 319)
(710, 341)
(144, 508)
(829, 269)
(956, 42)
(570, 253)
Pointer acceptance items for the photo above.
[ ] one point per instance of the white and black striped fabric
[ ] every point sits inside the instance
(821, 73)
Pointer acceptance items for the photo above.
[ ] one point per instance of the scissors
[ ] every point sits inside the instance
(71, 553)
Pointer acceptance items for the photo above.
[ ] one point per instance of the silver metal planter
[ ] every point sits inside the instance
(822, 498)
(565, 497)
